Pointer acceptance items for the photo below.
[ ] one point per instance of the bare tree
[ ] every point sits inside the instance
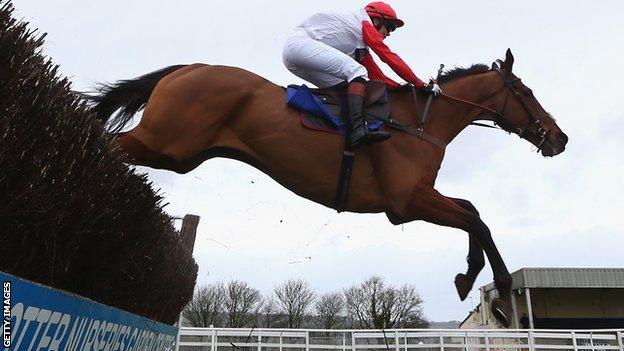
(294, 297)
(206, 307)
(268, 314)
(329, 308)
(372, 304)
(242, 303)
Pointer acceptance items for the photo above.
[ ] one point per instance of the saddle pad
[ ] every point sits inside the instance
(317, 116)
(303, 100)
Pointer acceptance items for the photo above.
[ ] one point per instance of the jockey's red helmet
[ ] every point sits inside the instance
(380, 9)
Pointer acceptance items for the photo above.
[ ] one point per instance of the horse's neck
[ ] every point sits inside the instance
(447, 118)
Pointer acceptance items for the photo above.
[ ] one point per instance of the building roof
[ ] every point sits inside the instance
(566, 278)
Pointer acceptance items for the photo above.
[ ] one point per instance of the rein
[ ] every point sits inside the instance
(500, 122)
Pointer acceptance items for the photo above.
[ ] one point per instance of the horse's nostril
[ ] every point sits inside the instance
(563, 138)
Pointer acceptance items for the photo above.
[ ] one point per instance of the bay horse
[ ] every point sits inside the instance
(197, 112)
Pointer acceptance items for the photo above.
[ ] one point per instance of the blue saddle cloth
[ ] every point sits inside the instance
(304, 100)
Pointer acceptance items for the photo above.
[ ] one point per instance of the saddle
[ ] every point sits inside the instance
(325, 109)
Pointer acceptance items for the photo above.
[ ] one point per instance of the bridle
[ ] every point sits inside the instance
(500, 122)
(526, 131)
(503, 123)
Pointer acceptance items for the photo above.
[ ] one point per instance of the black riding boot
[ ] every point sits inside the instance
(359, 129)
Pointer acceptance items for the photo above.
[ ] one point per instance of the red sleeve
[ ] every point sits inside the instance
(373, 39)
(374, 72)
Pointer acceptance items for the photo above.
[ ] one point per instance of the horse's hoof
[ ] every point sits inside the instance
(463, 285)
(501, 309)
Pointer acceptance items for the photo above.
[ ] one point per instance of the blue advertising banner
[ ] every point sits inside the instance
(36, 317)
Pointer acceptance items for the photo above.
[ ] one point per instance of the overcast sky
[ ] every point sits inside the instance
(557, 212)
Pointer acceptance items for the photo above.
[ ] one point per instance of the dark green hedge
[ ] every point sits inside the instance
(72, 214)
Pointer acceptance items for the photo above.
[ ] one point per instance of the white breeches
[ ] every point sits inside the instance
(318, 63)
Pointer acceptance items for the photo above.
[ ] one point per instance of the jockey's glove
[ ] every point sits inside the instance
(432, 88)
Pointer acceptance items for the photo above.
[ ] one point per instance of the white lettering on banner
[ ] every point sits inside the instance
(60, 332)
(45, 339)
(98, 336)
(80, 325)
(128, 339)
(91, 335)
(17, 313)
(43, 317)
(112, 336)
(133, 338)
(56, 331)
(119, 337)
(137, 340)
(28, 316)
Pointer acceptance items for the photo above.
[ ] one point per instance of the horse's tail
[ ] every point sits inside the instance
(127, 96)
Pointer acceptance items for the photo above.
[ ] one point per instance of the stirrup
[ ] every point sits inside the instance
(357, 137)
(378, 136)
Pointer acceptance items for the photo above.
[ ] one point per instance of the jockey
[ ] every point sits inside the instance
(331, 48)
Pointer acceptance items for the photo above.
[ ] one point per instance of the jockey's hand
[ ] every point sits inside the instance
(432, 88)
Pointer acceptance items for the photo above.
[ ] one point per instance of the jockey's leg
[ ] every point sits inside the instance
(315, 62)
(359, 129)
(326, 66)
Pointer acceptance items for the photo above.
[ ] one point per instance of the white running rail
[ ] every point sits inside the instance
(228, 339)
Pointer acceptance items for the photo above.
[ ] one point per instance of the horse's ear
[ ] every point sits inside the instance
(509, 60)
(495, 65)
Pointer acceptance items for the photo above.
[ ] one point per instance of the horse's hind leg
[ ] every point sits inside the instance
(429, 205)
(139, 154)
(475, 259)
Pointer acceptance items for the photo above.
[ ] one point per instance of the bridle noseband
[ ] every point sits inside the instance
(525, 131)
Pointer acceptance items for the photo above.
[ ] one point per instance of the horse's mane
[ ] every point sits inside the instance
(452, 74)
(459, 72)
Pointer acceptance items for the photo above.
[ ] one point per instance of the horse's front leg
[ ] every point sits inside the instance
(429, 205)
(475, 259)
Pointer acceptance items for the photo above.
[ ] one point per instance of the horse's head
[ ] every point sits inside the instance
(522, 114)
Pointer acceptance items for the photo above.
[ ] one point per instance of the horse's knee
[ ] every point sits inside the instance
(470, 207)
(467, 205)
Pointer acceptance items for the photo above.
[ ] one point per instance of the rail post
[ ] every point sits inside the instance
(307, 336)
(591, 340)
(405, 340)
(620, 336)
(441, 341)
(396, 340)
(574, 343)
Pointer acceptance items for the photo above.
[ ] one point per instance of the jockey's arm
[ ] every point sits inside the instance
(374, 72)
(373, 39)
